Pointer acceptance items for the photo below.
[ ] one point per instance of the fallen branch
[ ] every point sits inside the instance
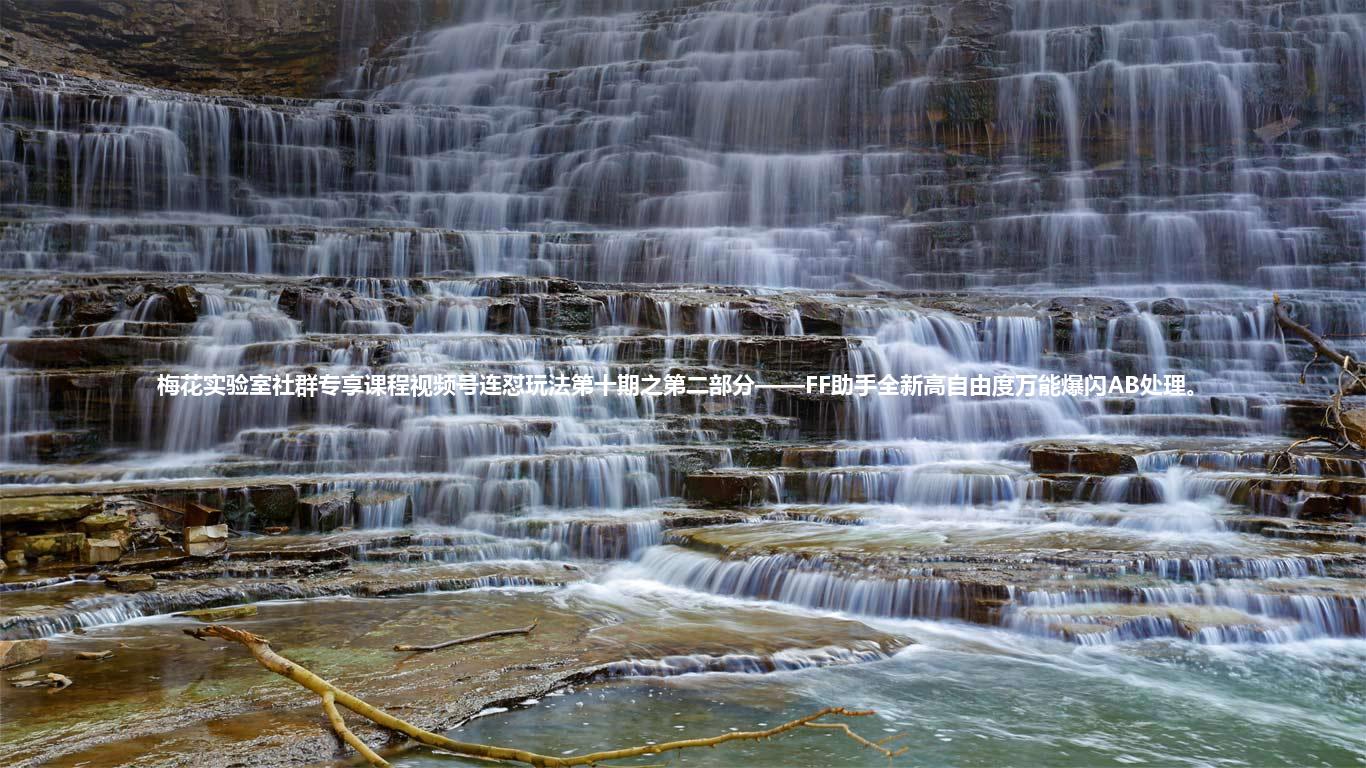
(1346, 422)
(339, 725)
(471, 639)
(873, 745)
(1321, 347)
(1287, 454)
(332, 695)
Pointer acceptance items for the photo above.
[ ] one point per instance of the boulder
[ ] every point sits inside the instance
(44, 512)
(203, 540)
(55, 545)
(1354, 425)
(185, 302)
(16, 652)
(103, 522)
(219, 614)
(1168, 307)
(137, 582)
(95, 551)
(50, 680)
(92, 312)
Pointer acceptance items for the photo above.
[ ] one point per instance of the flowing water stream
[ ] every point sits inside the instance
(784, 189)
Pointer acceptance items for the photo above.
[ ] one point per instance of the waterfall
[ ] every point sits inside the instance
(587, 192)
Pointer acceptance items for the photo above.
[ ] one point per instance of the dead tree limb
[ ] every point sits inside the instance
(339, 725)
(268, 658)
(1283, 461)
(471, 639)
(1349, 423)
(873, 745)
(1321, 347)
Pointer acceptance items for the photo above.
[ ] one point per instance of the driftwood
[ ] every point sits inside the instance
(1347, 423)
(339, 725)
(1354, 369)
(333, 696)
(1283, 461)
(471, 639)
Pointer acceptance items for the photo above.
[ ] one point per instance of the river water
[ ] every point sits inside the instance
(783, 189)
(966, 696)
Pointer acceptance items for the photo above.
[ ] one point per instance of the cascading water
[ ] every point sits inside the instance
(778, 188)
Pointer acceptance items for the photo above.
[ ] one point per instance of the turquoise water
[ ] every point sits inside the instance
(965, 696)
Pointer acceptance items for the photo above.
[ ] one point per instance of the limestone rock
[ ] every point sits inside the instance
(50, 680)
(202, 540)
(1322, 505)
(1071, 458)
(325, 511)
(1168, 307)
(103, 522)
(198, 534)
(137, 582)
(185, 302)
(95, 551)
(722, 489)
(16, 652)
(286, 47)
(55, 545)
(1354, 424)
(219, 614)
(39, 512)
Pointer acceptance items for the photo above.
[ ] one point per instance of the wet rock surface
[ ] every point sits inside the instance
(1058, 538)
(579, 638)
(276, 48)
(17, 653)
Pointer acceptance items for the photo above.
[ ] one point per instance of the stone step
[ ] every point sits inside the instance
(1112, 458)
(98, 608)
(1084, 599)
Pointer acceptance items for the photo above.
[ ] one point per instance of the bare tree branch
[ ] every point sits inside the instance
(873, 745)
(339, 725)
(471, 639)
(332, 695)
(1321, 347)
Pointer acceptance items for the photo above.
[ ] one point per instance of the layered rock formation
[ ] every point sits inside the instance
(275, 47)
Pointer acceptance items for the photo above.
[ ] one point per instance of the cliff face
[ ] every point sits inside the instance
(278, 47)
